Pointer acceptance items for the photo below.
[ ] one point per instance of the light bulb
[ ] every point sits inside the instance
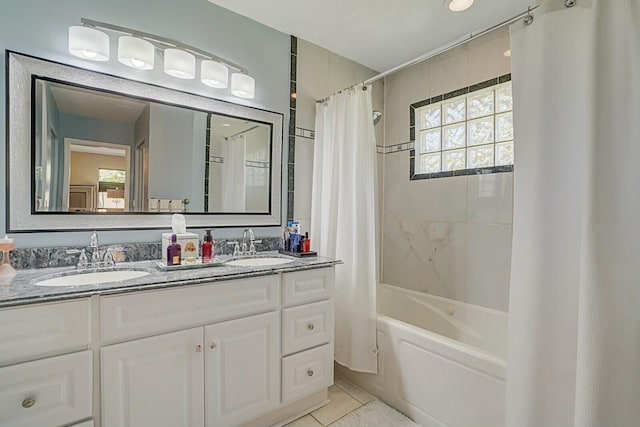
(180, 64)
(88, 43)
(136, 53)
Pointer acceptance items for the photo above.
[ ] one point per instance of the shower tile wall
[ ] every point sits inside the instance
(321, 73)
(448, 236)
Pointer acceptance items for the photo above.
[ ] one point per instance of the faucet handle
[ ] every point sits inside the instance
(108, 258)
(83, 260)
(94, 239)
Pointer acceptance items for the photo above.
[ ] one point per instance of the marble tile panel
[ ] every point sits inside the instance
(401, 90)
(341, 404)
(449, 71)
(425, 256)
(490, 198)
(313, 81)
(486, 56)
(428, 199)
(303, 177)
(488, 265)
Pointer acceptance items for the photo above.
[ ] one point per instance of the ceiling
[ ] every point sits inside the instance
(97, 105)
(379, 34)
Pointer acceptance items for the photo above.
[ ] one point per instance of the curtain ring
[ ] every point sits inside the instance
(570, 3)
(364, 87)
(528, 19)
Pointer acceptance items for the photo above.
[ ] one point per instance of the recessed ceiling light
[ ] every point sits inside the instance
(460, 5)
(507, 53)
(226, 125)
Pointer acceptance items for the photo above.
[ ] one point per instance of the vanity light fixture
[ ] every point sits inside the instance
(88, 43)
(137, 49)
(460, 5)
(214, 74)
(180, 64)
(136, 53)
(243, 85)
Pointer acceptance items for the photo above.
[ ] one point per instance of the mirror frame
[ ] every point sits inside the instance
(23, 69)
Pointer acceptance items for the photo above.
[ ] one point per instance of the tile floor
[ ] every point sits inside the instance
(345, 398)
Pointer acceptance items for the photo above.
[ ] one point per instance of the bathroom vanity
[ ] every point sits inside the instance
(228, 346)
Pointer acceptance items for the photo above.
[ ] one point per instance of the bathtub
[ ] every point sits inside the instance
(441, 362)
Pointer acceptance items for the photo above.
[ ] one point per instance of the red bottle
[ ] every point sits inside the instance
(207, 248)
(306, 243)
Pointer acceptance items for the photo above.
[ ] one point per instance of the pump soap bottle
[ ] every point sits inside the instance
(207, 248)
(174, 251)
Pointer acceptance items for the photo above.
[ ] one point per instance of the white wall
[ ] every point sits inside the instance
(446, 236)
(40, 28)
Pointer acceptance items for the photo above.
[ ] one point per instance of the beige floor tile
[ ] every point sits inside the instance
(341, 404)
(356, 392)
(306, 421)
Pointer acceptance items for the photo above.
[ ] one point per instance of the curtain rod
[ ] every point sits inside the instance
(429, 55)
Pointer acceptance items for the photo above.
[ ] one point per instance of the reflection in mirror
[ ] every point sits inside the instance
(238, 170)
(101, 152)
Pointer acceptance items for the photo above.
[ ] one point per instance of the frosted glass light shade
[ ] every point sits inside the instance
(214, 74)
(180, 64)
(243, 86)
(460, 5)
(88, 43)
(136, 53)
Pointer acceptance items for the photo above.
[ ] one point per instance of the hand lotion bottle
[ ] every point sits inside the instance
(207, 248)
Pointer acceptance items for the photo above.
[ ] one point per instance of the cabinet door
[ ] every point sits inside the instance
(154, 382)
(242, 369)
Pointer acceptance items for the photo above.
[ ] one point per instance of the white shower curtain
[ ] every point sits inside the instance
(234, 174)
(343, 219)
(574, 326)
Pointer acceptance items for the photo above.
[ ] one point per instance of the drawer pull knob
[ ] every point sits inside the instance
(213, 345)
(310, 372)
(198, 348)
(28, 402)
(310, 327)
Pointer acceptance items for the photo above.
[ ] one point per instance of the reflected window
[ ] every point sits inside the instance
(111, 184)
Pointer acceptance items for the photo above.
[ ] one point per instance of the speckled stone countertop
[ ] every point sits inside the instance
(21, 289)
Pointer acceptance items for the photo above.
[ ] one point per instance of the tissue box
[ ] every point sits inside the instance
(184, 239)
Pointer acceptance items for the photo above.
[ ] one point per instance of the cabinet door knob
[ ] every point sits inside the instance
(198, 348)
(310, 327)
(213, 345)
(310, 372)
(28, 402)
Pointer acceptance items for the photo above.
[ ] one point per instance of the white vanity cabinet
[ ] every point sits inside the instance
(245, 352)
(157, 381)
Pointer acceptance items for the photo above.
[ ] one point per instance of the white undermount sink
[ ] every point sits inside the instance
(92, 278)
(259, 262)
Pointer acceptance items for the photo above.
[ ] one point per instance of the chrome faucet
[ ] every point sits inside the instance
(96, 260)
(248, 233)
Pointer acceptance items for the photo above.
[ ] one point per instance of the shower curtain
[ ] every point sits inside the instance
(233, 174)
(343, 219)
(574, 326)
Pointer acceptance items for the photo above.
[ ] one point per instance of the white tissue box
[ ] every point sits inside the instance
(184, 239)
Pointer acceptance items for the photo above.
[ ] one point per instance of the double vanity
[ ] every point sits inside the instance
(225, 346)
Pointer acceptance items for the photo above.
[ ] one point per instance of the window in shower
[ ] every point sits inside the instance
(468, 131)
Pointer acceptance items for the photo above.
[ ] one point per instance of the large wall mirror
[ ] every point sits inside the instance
(98, 151)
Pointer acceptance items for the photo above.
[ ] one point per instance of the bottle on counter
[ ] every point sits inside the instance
(174, 251)
(207, 248)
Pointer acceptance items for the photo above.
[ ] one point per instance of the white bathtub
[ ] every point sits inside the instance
(440, 361)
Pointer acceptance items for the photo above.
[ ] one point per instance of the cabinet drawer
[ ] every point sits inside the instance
(307, 326)
(148, 313)
(48, 392)
(301, 287)
(33, 332)
(307, 372)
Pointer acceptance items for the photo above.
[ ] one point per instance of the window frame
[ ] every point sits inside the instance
(413, 130)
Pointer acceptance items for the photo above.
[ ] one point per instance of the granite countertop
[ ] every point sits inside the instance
(21, 288)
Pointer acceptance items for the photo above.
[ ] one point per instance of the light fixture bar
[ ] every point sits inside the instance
(163, 40)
